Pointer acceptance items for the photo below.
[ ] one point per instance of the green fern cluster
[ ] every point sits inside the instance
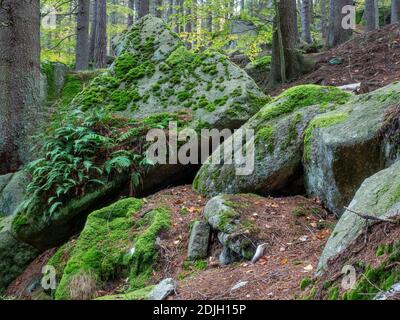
(84, 154)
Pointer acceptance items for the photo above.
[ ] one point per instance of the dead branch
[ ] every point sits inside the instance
(369, 217)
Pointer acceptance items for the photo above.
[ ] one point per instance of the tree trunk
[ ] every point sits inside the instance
(306, 21)
(395, 11)
(324, 18)
(158, 8)
(82, 38)
(131, 5)
(287, 62)
(371, 15)
(93, 27)
(336, 33)
(19, 80)
(100, 49)
(143, 8)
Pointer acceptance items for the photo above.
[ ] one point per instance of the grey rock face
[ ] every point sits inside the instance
(378, 196)
(164, 289)
(12, 194)
(343, 155)
(198, 241)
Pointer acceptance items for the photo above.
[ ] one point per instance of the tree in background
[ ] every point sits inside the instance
(100, 49)
(143, 8)
(82, 35)
(287, 61)
(371, 15)
(19, 79)
(336, 33)
(306, 21)
(395, 10)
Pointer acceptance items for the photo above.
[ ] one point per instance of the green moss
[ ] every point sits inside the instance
(183, 96)
(124, 63)
(292, 134)
(373, 280)
(145, 245)
(333, 293)
(302, 96)
(47, 68)
(299, 211)
(305, 282)
(262, 62)
(226, 219)
(322, 121)
(266, 135)
(102, 245)
(196, 265)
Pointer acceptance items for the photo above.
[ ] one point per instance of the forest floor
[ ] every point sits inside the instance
(372, 59)
(295, 238)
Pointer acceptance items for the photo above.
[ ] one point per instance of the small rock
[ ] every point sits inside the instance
(164, 289)
(198, 241)
(239, 285)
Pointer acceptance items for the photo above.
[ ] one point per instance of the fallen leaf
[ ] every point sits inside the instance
(308, 268)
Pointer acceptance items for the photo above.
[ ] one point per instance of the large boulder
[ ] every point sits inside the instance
(115, 243)
(278, 150)
(155, 73)
(344, 147)
(199, 240)
(378, 196)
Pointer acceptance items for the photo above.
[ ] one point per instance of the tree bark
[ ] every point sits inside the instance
(19, 80)
(395, 11)
(336, 33)
(82, 38)
(324, 18)
(100, 48)
(371, 15)
(93, 27)
(306, 21)
(131, 5)
(287, 61)
(143, 8)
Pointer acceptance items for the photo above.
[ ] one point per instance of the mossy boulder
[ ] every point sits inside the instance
(222, 214)
(345, 146)
(14, 254)
(116, 243)
(54, 78)
(155, 73)
(379, 196)
(12, 192)
(279, 128)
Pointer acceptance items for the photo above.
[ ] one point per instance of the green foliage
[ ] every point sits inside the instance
(262, 62)
(305, 282)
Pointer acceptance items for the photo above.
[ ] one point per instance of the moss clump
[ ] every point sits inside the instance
(303, 96)
(60, 259)
(196, 265)
(47, 69)
(262, 62)
(304, 283)
(266, 135)
(102, 246)
(333, 293)
(148, 228)
(227, 219)
(299, 211)
(322, 121)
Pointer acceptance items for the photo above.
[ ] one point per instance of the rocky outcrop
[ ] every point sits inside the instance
(278, 152)
(12, 193)
(345, 147)
(378, 196)
(164, 289)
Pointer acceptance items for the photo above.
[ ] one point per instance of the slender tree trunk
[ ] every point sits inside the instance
(324, 18)
(143, 8)
(158, 4)
(287, 62)
(100, 49)
(395, 11)
(131, 5)
(306, 21)
(93, 27)
(242, 5)
(82, 39)
(371, 15)
(19, 80)
(336, 33)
